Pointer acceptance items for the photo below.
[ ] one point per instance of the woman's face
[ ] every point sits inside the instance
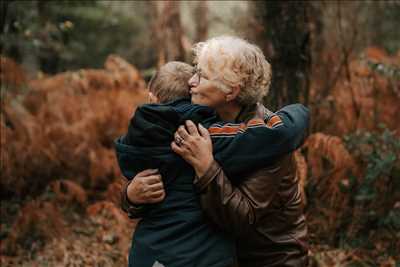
(205, 91)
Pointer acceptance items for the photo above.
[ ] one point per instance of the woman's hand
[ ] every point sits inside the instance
(146, 187)
(194, 146)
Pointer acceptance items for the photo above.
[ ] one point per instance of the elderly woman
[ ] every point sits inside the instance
(262, 208)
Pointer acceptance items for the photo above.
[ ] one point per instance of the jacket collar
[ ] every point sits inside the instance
(246, 113)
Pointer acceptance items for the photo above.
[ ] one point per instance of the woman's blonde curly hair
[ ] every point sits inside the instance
(235, 62)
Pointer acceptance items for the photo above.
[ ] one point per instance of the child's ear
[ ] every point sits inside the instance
(233, 94)
(153, 98)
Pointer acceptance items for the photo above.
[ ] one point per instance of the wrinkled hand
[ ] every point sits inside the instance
(194, 145)
(146, 187)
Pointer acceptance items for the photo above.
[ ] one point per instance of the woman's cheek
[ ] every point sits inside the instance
(200, 99)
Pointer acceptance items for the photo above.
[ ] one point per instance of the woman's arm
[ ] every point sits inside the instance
(232, 208)
(239, 148)
(145, 188)
(236, 208)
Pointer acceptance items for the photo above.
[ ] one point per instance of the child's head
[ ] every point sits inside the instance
(170, 82)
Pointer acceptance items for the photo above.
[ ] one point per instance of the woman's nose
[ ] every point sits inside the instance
(194, 81)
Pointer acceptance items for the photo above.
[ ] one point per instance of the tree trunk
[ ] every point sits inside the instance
(8, 28)
(49, 58)
(288, 31)
(167, 31)
(201, 18)
(3, 9)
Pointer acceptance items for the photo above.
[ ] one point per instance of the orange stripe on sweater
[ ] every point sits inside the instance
(223, 130)
(274, 120)
(232, 130)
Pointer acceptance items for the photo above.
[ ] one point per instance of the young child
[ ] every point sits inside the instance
(174, 232)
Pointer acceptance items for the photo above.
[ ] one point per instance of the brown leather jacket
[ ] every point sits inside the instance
(264, 211)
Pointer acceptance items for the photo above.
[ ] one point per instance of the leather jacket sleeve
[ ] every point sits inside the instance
(264, 212)
(235, 208)
(133, 211)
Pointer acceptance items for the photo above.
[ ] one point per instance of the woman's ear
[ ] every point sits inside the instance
(233, 94)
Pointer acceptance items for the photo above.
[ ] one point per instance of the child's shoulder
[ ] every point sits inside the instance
(169, 106)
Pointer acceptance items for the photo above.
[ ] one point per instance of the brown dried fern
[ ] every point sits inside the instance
(330, 165)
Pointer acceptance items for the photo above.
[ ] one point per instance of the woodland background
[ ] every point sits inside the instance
(73, 72)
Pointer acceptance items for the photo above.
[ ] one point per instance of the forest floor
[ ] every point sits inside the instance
(85, 240)
(95, 237)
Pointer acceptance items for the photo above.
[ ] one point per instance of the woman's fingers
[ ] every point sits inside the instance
(192, 129)
(177, 149)
(157, 194)
(178, 139)
(152, 179)
(203, 131)
(143, 186)
(182, 133)
(147, 172)
(156, 187)
(157, 197)
(183, 151)
(183, 148)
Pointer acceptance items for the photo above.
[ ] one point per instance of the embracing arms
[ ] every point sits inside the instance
(295, 118)
(234, 202)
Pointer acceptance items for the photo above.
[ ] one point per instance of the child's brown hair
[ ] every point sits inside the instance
(170, 82)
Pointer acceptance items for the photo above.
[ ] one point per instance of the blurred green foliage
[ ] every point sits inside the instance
(380, 24)
(384, 69)
(60, 35)
(54, 36)
(376, 193)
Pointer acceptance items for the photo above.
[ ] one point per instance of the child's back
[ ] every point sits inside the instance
(173, 232)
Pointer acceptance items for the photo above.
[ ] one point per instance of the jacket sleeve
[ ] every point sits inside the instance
(262, 141)
(235, 208)
(133, 211)
(296, 120)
